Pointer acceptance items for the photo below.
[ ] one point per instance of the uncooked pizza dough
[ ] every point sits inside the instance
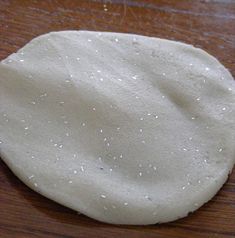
(126, 129)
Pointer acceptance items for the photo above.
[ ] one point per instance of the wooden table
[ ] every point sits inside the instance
(206, 24)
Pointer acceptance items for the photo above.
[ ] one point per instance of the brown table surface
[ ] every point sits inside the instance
(209, 25)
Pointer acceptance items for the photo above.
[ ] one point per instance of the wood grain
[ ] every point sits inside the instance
(206, 24)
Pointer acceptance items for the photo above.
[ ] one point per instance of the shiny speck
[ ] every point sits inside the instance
(9, 61)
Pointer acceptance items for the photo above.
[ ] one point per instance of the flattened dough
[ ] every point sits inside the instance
(126, 129)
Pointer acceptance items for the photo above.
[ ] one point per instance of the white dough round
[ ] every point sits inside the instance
(126, 129)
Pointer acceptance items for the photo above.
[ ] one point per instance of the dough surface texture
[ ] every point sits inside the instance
(125, 129)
